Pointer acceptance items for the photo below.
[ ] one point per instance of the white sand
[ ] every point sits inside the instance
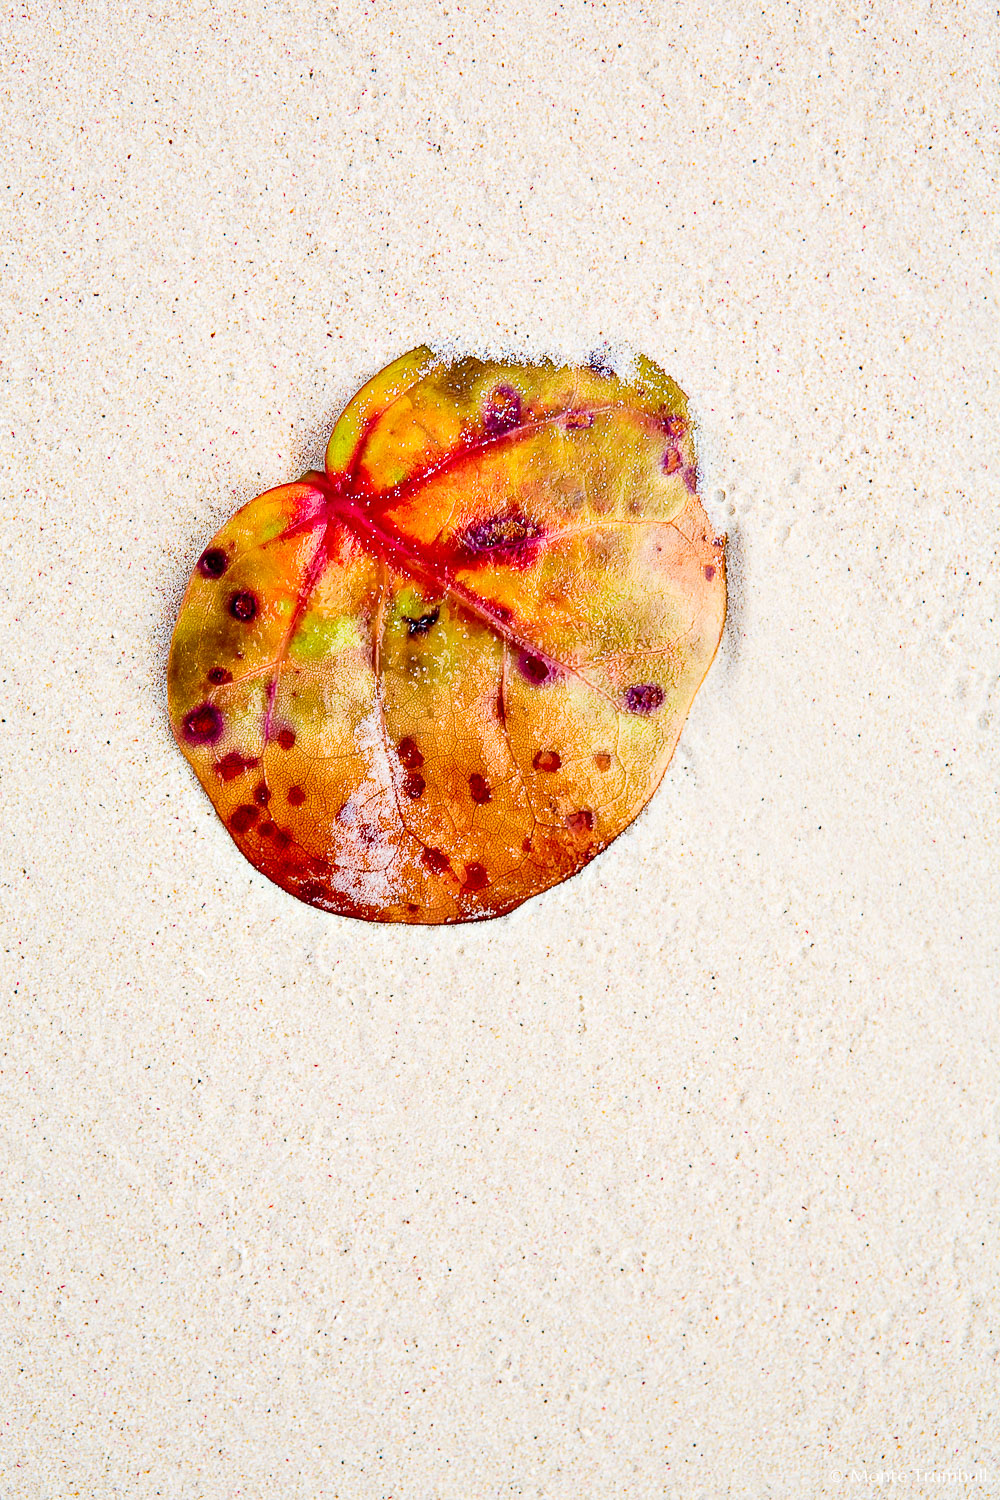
(683, 1179)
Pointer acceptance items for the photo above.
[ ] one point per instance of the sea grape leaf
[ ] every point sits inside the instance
(443, 675)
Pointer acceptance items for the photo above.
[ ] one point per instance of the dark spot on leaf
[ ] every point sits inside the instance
(267, 828)
(414, 786)
(312, 890)
(422, 624)
(479, 789)
(535, 669)
(547, 760)
(296, 796)
(580, 822)
(476, 878)
(673, 425)
(436, 860)
(280, 839)
(203, 725)
(599, 361)
(709, 572)
(671, 461)
(244, 817)
(409, 754)
(213, 563)
(219, 675)
(286, 738)
(503, 411)
(232, 765)
(412, 906)
(509, 538)
(577, 420)
(526, 845)
(261, 795)
(243, 606)
(643, 697)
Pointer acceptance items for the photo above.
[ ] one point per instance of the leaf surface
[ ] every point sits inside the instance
(444, 674)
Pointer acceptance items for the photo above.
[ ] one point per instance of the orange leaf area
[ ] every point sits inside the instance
(441, 676)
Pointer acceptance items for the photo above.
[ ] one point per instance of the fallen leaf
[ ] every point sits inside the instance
(443, 675)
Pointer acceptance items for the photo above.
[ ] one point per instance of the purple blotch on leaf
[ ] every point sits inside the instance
(505, 538)
(203, 725)
(243, 606)
(535, 669)
(213, 563)
(644, 697)
(503, 411)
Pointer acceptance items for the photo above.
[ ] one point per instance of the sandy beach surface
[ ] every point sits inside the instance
(682, 1179)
